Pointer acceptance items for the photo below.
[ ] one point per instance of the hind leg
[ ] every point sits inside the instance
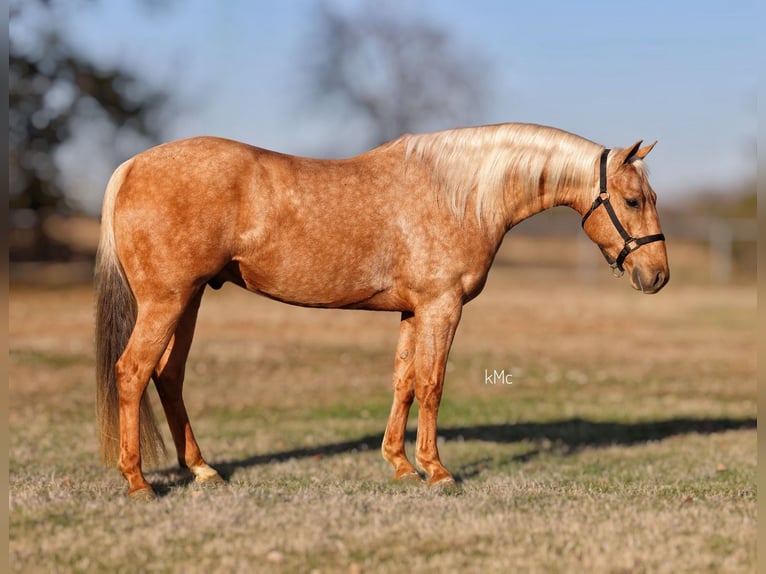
(155, 324)
(169, 379)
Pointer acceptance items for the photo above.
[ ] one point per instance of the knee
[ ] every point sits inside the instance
(405, 395)
(429, 395)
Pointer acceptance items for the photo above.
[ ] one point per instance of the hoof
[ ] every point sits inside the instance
(143, 495)
(206, 474)
(411, 476)
(447, 485)
(210, 480)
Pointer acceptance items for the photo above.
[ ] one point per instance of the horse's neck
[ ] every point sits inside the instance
(525, 205)
(530, 202)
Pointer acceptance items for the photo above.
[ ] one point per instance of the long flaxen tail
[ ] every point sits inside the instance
(115, 319)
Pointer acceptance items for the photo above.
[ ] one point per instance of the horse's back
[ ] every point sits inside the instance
(308, 231)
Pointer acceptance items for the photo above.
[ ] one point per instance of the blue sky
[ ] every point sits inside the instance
(681, 72)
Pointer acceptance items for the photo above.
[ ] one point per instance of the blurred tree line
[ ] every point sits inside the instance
(738, 203)
(52, 89)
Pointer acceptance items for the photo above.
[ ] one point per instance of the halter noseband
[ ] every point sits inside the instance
(631, 243)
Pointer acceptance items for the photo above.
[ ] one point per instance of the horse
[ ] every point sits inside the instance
(411, 226)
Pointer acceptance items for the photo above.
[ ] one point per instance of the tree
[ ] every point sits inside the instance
(395, 75)
(52, 89)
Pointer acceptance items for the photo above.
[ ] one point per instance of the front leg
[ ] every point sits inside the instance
(435, 329)
(404, 393)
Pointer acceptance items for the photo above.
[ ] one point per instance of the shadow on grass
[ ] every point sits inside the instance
(564, 437)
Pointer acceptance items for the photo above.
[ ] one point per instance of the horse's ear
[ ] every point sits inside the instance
(644, 151)
(625, 155)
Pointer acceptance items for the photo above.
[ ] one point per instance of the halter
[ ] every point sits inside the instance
(631, 243)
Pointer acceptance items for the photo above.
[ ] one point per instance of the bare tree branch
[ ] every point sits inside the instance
(398, 75)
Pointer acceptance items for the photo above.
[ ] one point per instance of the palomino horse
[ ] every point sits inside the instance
(411, 226)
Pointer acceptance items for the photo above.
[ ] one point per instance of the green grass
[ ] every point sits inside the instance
(52, 360)
(546, 513)
(600, 457)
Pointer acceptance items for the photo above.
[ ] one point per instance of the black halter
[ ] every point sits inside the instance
(631, 243)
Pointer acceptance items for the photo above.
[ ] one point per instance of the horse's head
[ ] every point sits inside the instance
(623, 220)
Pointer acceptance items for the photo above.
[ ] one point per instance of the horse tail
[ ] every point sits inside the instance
(116, 311)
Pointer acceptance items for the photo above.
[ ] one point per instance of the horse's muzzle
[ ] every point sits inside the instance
(650, 282)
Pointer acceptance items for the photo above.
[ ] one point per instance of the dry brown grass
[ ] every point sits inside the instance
(626, 442)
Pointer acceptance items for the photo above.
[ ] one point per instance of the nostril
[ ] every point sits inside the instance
(659, 280)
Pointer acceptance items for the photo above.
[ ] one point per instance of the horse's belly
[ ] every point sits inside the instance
(312, 284)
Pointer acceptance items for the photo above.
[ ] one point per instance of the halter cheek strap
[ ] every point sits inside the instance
(630, 243)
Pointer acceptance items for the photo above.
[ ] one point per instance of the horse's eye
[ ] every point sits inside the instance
(632, 203)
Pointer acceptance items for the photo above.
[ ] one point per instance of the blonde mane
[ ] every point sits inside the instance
(480, 161)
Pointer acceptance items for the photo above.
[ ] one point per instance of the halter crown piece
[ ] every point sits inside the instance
(631, 243)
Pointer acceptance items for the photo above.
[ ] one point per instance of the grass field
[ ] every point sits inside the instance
(625, 441)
